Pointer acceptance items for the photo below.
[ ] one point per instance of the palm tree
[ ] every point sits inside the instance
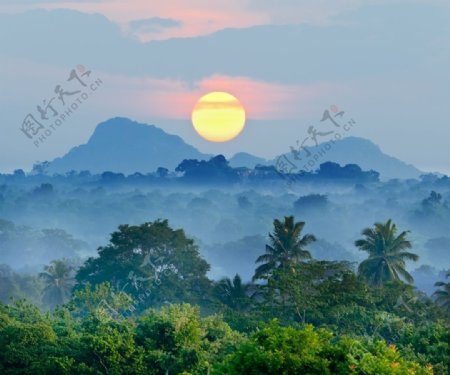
(58, 279)
(286, 248)
(234, 293)
(387, 254)
(443, 295)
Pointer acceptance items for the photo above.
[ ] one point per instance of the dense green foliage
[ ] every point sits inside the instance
(287, 350)
(176, 340)
(145, 305)
(172, 340)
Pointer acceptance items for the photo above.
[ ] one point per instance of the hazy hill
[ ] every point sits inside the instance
(123, 145)
(244, 159)
(354, 150)
(350, 150)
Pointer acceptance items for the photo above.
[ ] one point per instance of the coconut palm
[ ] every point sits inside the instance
(387, 255)
(443, 295)
(234, 293)
(58, 279)
(287, 248)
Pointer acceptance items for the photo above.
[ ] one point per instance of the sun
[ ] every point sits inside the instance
(218, 117)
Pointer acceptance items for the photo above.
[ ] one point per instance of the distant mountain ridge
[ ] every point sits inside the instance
(244, 159)
(125, 146)
(350, 150)
(354, 150)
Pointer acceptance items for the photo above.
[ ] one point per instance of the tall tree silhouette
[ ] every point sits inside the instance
(286, 248)
(234, 293)
(387, 254)
(443, 294)
(59, 281)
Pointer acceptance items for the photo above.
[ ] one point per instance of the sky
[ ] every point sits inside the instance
(385, 63)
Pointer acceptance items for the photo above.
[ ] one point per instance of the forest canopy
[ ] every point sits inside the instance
(145, 304)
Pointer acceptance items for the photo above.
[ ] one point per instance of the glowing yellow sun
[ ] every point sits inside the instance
(218, 117)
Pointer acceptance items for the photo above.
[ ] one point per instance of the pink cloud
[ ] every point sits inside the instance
(150, 97)
(200, 17)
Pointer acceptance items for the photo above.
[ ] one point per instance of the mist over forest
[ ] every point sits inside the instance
(228, 211)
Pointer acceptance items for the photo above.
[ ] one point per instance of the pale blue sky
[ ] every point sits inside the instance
(386, 63)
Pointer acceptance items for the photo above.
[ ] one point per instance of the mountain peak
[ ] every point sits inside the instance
(348, 150)
(120, 123)
(123, 145)
(365, 153)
